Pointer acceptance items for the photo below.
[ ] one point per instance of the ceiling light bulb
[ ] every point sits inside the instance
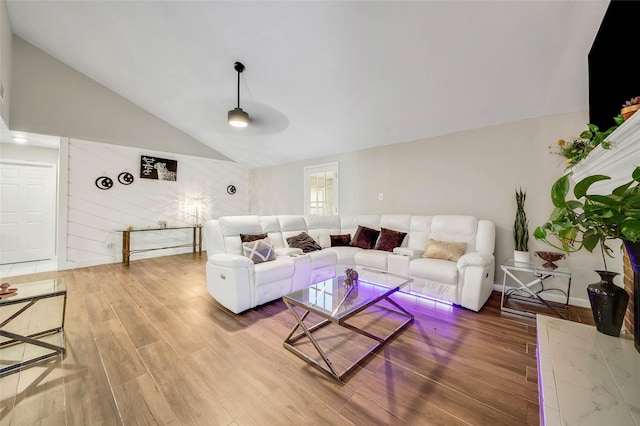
(238, 118)
(19, 139)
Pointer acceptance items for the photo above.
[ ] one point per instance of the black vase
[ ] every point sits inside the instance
(608, 303)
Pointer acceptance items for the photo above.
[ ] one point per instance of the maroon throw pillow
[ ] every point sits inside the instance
(247, 238)
(340, 240)
(365, 238)
(389, 239)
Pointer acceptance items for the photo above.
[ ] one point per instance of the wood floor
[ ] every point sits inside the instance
(146, 344)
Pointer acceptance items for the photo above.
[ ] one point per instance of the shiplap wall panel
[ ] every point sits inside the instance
(95, 215)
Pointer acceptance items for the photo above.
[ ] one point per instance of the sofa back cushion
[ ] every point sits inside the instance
(419, 232)
(232, 226)
(455, 228)
(321, 227)
(271, 226)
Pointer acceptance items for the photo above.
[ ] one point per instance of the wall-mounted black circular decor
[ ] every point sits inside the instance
(125, 178)
(231, 189)
(104, 182)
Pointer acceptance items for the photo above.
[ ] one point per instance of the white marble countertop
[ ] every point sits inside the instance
(586, 377)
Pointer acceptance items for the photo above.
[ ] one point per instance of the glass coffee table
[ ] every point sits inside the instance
(336, 304)
(36, 310)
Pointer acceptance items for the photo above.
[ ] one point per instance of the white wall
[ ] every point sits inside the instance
(51, 98)
(95, 215)
(473, 172)
(12, 151)
(5, 61)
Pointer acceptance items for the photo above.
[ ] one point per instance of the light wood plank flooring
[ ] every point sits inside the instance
(146, 344)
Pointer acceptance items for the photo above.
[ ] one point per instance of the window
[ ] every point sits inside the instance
(321, 190)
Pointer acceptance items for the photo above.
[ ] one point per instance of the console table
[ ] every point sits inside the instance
(585, 377)
(126, 240)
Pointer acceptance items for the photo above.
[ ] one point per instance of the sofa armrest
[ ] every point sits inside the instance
(406, 251)
(476, 258)
(230, 260)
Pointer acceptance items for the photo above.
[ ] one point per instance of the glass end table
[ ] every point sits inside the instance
(531, 292)
(22, 323)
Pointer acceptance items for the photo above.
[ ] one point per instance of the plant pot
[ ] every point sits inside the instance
(608, 303)
(629, 111)
(521, 256)
(633, 250)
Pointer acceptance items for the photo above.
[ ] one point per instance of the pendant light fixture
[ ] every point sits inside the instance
(237, 117)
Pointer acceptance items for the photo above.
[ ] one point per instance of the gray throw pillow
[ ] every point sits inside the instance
(259, 250)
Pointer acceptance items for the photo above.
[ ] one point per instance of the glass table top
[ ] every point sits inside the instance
(536, 267)
(34, 290)
(333, 299)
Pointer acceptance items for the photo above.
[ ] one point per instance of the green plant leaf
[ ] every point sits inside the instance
(590, 242)
(559, 191)
(582, 187)
(540, 233)
(619, 119)
(636, 174)
(609, 200)
(593, 127)
(622, 188)
(630, 229)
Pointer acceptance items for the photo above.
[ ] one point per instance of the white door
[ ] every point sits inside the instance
(27, 201)
(321, 190)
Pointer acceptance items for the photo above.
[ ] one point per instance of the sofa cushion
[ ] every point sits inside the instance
(344, 254)
(259, 250)
(374, 259)
(304, 242)
(439, 270)
(446, 250)
(389, 239)
(323, 259)
(365, 237)
(276, 270)
(247, 238)
(340, 240)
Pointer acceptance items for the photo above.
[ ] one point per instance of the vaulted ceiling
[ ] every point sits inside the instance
(325, 77)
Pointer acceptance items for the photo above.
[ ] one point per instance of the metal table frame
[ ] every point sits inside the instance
(328, 366)
(540, 273)
(31, 339)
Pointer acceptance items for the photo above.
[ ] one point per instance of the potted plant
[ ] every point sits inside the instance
(579, 148)
(521, 230)
(589, 221)
(630, 107)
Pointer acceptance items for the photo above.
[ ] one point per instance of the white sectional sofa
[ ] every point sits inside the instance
(239, 284)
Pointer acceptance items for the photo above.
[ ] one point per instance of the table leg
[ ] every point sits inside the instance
(194, 239)
(126, 247)
(200, 240)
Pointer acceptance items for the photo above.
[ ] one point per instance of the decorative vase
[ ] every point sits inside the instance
(629, 111)
(608, 303)
(633, 250)
(521, 256)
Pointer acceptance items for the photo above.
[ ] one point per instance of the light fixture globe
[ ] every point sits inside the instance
(238, 118)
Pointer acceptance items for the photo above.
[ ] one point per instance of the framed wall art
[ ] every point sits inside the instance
(158, 168)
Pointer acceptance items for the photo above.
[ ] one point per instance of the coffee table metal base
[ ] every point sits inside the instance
(327, 366)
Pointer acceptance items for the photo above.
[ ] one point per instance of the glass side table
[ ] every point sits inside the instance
(36, 310)
(528, 294)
